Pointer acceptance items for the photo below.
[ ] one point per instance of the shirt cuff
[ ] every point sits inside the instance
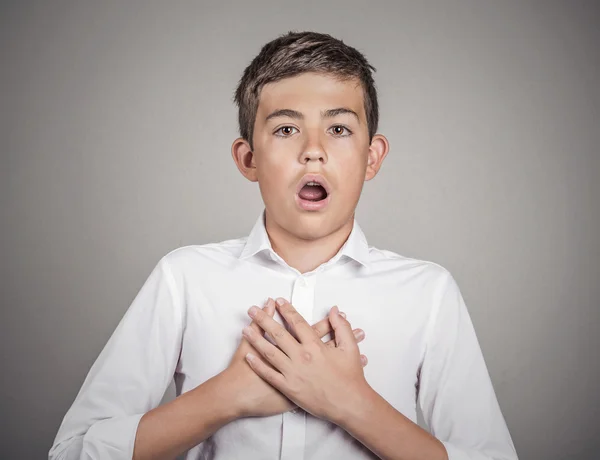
(460, 453)
(112, 438)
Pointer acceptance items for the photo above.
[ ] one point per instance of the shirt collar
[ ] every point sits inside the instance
(355, 247)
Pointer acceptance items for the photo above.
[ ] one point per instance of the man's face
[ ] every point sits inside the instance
(311, 124)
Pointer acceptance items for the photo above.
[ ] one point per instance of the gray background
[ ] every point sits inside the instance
(116, 125)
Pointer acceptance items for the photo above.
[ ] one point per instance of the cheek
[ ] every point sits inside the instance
(274, 175)
(352, 171)
(273, 170)
(355, 183)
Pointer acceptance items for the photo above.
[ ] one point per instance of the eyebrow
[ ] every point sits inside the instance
(299, 116)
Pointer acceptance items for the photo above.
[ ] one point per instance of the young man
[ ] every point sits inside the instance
(308, 117)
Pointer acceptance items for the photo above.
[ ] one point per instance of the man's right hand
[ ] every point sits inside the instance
(256, 398)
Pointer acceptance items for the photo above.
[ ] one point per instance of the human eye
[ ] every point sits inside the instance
(285, 131)
(339, 130)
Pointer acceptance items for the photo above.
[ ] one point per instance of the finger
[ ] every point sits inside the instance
(267, 350)
(342, 330)
(363, 360)
(270, 307)
(323, 327)
(269, 375)
(296, 321)
(283, 339)
(268, 310)
(359, 335)
(254, 325)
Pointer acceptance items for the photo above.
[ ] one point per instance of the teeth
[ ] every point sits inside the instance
(312, 183)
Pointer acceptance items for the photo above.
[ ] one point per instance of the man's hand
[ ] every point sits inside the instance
(321, 378)
(256, 397)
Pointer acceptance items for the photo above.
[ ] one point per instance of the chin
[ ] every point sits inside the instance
(311, 234)
(313, 225)
(310, 225)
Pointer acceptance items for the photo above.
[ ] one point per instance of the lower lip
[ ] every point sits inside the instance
(312, 205)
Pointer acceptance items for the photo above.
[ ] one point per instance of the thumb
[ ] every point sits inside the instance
(344, 338)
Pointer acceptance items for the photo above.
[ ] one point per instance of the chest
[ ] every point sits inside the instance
(392, 313)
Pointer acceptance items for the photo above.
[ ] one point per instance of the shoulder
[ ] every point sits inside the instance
(202, 257)
(425, 279)
(383, 259)
(426, 273)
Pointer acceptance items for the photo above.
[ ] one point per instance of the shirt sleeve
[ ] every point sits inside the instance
(129, 377)
(456, 394)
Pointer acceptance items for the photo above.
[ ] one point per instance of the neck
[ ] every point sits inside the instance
(306, 255)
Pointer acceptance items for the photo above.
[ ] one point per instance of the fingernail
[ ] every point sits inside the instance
(247, 331)
(359, 334)
(342, 314)
(252, 312)
(280, 301)
(336, 310)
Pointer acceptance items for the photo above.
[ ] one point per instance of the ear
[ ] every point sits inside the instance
(244, 159)
(377, 151)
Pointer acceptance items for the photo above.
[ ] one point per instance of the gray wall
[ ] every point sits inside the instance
(116, 125)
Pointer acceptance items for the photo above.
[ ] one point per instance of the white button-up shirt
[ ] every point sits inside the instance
(186, 323)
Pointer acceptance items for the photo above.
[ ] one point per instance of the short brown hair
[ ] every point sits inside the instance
(295, 53)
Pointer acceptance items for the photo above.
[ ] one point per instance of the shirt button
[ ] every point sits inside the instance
(302, 282)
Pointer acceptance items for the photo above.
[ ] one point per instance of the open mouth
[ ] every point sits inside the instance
(313, 191)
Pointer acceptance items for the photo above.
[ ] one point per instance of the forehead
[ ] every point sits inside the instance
(311, 92)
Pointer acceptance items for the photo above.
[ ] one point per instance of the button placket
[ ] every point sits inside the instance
(294, 421)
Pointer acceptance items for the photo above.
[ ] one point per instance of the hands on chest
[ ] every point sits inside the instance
(323, 378)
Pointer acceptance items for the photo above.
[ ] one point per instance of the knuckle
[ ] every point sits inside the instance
(269, 375)
(287, 310)
(322, 328)
(296, 319)
(316, 343)
(269, 354)
(275, 378)
(306, 357)
(279, 333)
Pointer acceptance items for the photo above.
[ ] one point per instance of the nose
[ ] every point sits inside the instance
(313, 151)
